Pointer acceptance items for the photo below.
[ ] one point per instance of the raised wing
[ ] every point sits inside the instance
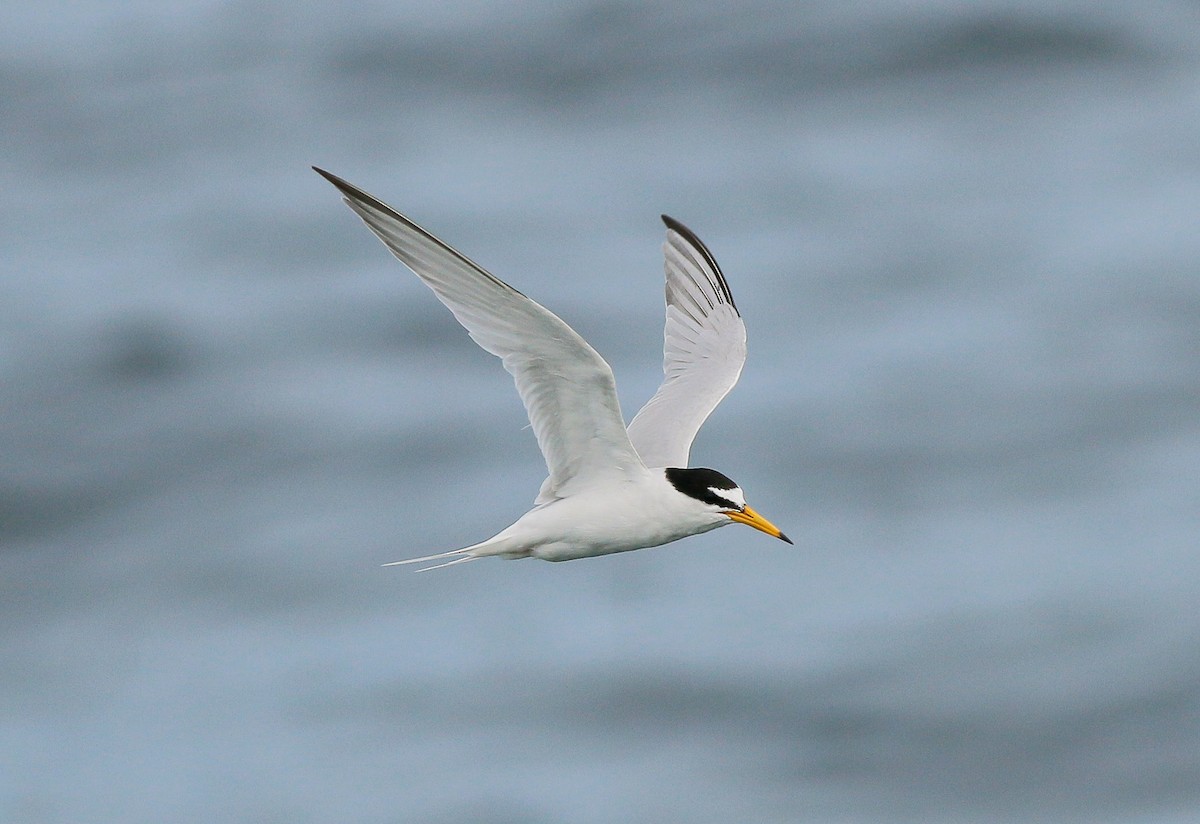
(567, 388)
(705, 347)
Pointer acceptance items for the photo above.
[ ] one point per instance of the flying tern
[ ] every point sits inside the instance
(610, 488)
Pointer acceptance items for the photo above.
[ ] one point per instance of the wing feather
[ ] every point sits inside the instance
(703, 352)
(567, 388)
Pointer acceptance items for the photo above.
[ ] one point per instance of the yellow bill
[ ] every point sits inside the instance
(749, 517)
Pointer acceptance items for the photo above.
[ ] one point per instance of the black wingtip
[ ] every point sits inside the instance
(352, 194)
(676, 226)
(690, 236)
(783, 537)
(335, 180)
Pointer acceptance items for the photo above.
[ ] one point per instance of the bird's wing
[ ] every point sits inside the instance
(705, 347)
(568, 389)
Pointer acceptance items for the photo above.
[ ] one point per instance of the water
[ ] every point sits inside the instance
(963, 238)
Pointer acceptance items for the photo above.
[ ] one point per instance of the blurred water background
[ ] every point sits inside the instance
(964, 239)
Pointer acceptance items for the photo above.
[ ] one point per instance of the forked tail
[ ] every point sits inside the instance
(492, 546)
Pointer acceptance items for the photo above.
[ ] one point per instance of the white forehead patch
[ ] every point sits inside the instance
(734, 496)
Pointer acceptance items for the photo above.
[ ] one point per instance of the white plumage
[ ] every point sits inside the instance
(608, 489)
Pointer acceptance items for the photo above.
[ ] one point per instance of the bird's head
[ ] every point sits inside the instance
(722, 496)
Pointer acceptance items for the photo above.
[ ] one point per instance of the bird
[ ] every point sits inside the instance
(609, 488)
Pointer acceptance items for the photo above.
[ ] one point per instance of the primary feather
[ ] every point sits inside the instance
(703, 352)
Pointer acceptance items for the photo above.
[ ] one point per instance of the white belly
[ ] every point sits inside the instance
(616, 519)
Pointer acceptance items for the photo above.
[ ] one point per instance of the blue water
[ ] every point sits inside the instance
(964, 239)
